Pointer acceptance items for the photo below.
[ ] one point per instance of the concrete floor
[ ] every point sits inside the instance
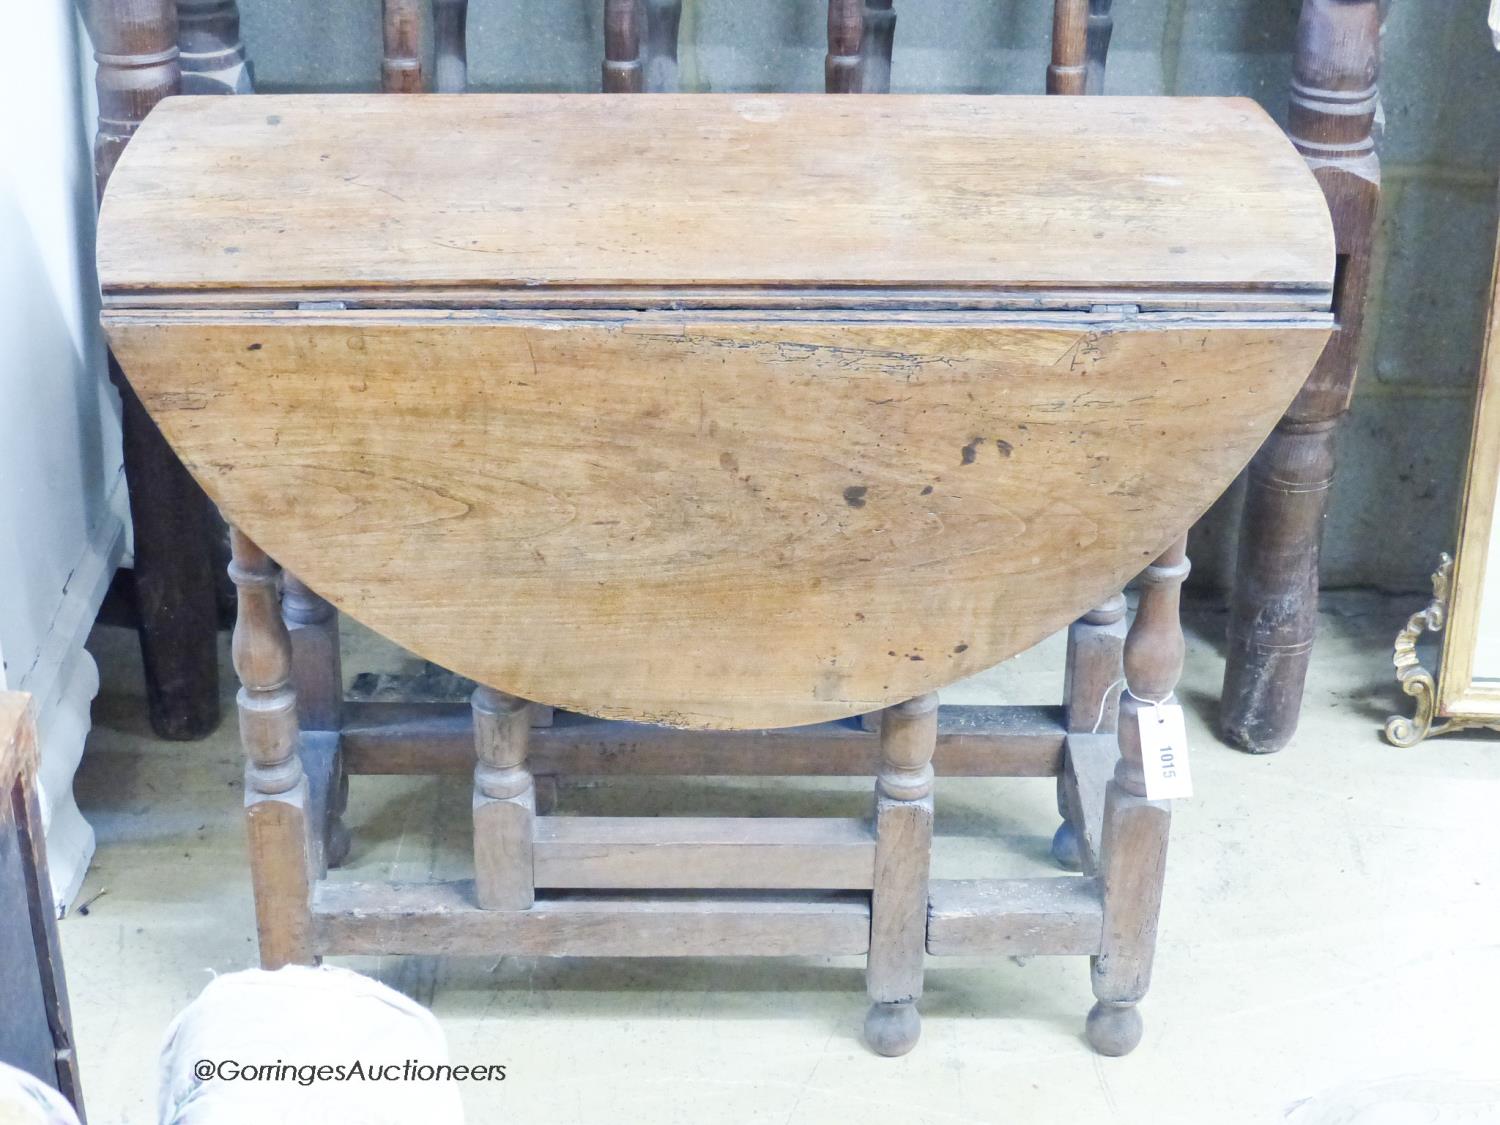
(1330, 946)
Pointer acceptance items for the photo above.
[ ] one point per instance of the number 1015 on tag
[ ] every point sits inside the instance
(1164, 751)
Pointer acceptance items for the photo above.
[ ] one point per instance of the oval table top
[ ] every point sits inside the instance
(714, 411)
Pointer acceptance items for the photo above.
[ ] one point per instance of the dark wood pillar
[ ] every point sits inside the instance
(1273, 617)
(135, 44)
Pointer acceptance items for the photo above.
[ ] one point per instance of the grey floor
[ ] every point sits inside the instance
(1330, 946)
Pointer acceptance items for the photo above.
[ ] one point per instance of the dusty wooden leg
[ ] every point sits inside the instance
(1133, 849)
(213, 58)
(903, 855)
(318, 679)
(401, 55)
(846, 31)
(1068, 71)
(504, 802)
(623, 72)
(878, 45)
(135, 44)
(1090, 698)
(1275, 606)
(450, 20)
(1101, 28)
(276, 797)
(663, 27)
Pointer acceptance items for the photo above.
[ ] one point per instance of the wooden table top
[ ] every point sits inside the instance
(680, 192)
(717, 411)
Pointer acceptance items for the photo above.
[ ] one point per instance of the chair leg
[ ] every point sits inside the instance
(1273, 616)
(504, 802)
(903, 857)
(1090, 702)
(282, 847)
(1133, 846)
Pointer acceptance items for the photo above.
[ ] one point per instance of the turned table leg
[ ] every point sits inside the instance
(846, 32)
(623, 72)
(1068, 71)
(450, 33)
(504, 802)
(878, 46)
(1090, 700)
(1100, 28)
(401, 53)
(903, 856)
(318, 679)
(1273, 616)
(135, 44)
(1133, 846)
(276, 792)
(212, 55)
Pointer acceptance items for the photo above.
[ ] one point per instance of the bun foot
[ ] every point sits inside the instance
(1065, 847)
(893, 1029)
(1114, 1029)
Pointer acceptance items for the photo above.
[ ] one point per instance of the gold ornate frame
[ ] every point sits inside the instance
(1455, 700)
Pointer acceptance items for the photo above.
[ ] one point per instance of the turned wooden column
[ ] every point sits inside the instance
(1133, 843)
(401, 56)
(135, 45)
(1067, 73)
(878, 45)
(846, 31)
(450, 31)
(318, 680)
(623, 72)
(282, 842)
(1273, 616)
(903, 856)
(504, 802)
(663, 26)
(1091, 699)
(1101, 28)
(212, 58)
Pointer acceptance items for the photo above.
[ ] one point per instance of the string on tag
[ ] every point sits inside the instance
(1156, 704)
(1104, 702)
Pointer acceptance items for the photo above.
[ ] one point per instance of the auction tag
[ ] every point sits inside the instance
(1164, 752)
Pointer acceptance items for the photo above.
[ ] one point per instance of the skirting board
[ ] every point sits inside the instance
(63, 680)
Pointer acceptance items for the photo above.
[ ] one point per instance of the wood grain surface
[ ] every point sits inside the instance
(705, 521)
(531, 191)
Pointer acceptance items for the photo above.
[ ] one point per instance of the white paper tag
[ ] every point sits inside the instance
(1164, 751)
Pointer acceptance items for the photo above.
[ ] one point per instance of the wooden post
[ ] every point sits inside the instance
(1273, 616)
(318, 679)
(1101, 28)
(1133, 847)
(903, 856)
(401, 60)
(663, 26)
(504, 802)
(212, 57)
(450, 19)
(846, 31)
(1068, 71)
(878, 45)
(135, 45)
(282, 856)
(623, 73)
(1091, 704)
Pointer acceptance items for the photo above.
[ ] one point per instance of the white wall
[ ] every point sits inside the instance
(61, 489)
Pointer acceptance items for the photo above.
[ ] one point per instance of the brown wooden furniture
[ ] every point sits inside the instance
(173, 578)
(530, 420)
(36, 1030)
(1274, 613)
